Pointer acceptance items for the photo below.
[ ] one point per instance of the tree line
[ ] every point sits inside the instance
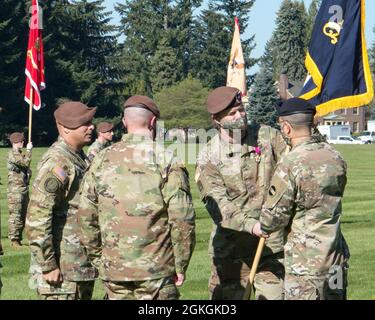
(173, 51)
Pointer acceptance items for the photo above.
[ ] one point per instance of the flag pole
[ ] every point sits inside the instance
(253, 271)
(30, 112)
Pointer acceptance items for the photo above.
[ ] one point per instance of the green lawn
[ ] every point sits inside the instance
(358, 228)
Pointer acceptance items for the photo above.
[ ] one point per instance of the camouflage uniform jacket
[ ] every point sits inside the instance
(95, 148)
(306, 192)
(18, 170)
(233, 180)
(51, 222)
(136, 214)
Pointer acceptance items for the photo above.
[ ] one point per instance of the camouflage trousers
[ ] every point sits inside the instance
(158, 289)
(315, 288)
(1, 284)
(83, 291)
(229, 278)
(17, 206)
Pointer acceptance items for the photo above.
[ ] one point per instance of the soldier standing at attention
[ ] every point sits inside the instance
(59, 263)
(19, 175)
(233, 174)
(305, 193)
(105, 136)
(136, 212)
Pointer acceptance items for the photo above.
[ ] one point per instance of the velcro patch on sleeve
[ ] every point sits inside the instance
(51, 184)
(60, 174)
(276, 190)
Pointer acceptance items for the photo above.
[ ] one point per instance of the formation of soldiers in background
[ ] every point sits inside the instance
(131, 222)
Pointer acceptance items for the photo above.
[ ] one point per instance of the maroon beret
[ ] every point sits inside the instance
(104, 127)
(74, 114)
(143, 102)
(222, 98)
(16, 137)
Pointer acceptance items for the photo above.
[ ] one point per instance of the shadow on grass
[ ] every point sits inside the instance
(355, 221)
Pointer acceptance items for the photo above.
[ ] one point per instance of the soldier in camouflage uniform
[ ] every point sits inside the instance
(59, 264)
(233, 174)
(136, 212)
(305, 193)
(19, 174)
(104, 131)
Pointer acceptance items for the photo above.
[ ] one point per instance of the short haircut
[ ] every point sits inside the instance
(138, 116)
(300, 119)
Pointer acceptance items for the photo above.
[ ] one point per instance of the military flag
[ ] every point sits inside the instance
(236, 76)
(337, 62)
(34, 60)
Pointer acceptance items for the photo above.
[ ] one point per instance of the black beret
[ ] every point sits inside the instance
(295, 106)
(222, 98)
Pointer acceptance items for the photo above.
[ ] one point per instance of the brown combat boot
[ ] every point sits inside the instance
(16, 243)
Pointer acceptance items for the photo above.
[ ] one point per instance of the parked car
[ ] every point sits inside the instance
(345, 140)
(367, 137)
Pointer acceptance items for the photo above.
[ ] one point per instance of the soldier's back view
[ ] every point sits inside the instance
(136, 212)
(306, 193)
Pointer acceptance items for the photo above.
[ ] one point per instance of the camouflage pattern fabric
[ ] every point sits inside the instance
(83, 291)
(1, 284)
(159, 289)
(316, 288)
(305, 195)
(19, 175)
(136, 212)
(233, 180)
(95, 148)
(229, 278)
(51, 224)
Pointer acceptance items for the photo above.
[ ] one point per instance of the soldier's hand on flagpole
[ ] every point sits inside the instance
(29, 146)
(257, 231)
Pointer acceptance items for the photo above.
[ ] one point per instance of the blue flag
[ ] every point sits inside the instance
(337, 61)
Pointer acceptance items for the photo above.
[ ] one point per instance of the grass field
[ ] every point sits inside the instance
(358, 228)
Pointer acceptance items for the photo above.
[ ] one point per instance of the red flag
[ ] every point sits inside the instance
(34, 60)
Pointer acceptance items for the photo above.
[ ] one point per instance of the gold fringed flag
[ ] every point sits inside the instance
(337, 61)
(236, 76)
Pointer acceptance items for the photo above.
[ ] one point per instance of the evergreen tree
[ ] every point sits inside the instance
(372, 65)
(142, 23)
(290, 35)
(312, 12)
(215, 33)
(210, 59)
(264, 93)
(13, 30)
(240, 9)
(184, 23)
(372, 55)
(166, 69)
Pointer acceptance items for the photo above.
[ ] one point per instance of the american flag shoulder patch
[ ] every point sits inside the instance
(60, 173)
